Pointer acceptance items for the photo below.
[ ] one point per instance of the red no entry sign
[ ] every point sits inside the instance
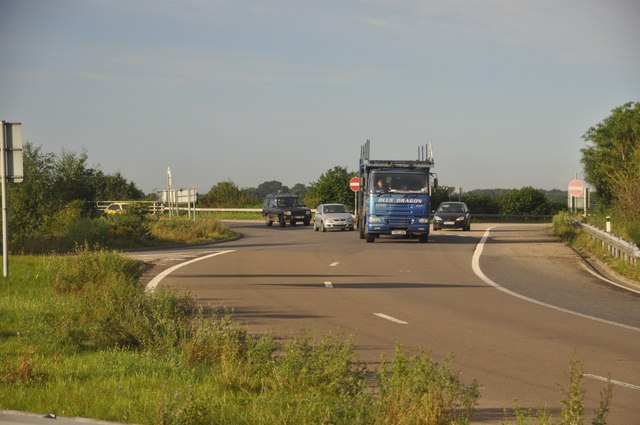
(576, 188)
(354, 184)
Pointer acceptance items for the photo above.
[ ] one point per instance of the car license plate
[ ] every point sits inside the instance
(398, 232)
(449, 223)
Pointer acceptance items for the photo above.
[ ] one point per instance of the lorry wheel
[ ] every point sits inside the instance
(423, 238)
(371, 238)
(361, 228)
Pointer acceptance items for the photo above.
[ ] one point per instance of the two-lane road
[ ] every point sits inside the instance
(513, 313)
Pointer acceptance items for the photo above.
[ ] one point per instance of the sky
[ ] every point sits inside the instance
(254, 91)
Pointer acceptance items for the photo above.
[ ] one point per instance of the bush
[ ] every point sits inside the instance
(108, 308)
(563, 226)
(417, 390)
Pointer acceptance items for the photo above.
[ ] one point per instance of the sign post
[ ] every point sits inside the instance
(354, 185)
(10, 171)
(576, 189)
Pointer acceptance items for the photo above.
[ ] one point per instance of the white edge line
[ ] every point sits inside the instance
(607, 280)
(328, 284)
(475, 264)
(151, 286)
(613, 381)
(393, 319)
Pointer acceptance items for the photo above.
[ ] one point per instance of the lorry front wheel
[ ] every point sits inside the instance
(423, 238)
(371, 238)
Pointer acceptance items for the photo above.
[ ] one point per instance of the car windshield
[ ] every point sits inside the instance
(455, 208)
(288, 201)
(335, 209)
(402, 182)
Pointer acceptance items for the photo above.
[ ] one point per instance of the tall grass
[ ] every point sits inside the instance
(80, 337)
(123, 231)
(588, 246)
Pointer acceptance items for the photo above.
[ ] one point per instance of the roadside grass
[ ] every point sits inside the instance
(80, 337)
(588, 246)
(232, 215)
(124, 231)
(186, 231)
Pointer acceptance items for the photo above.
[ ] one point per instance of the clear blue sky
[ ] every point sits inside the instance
(251, 91)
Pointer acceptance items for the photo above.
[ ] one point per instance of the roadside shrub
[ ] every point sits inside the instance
(128, 231)
(110, 309)
(417, 390)
(184, 230)
(563, 226)
(327, 366)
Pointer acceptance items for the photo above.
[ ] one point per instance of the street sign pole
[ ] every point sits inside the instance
(11, 171)
(3, 176)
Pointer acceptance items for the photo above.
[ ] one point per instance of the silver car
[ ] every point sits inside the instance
(332, 216)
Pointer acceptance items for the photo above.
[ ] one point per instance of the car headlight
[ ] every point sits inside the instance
(287, 213)
(460, 218)
(350, 220)
(436, 218)
(374, 219)
(307, 212)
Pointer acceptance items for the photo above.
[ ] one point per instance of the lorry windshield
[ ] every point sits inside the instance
(399, 182)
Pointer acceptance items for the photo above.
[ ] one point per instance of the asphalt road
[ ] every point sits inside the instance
(513, 314)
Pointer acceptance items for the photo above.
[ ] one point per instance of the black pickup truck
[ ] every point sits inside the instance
(283, 209)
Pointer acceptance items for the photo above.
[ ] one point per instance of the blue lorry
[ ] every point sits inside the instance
(394, 196)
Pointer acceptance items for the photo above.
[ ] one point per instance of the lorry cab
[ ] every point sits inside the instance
(395, 197)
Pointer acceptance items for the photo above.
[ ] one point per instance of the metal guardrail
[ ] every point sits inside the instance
(616, 246)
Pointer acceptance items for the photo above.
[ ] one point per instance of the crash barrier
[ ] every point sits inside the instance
(154, 207)
(616, 246)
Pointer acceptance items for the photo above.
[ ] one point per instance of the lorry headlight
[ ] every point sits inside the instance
(373, 219)
(423, 220)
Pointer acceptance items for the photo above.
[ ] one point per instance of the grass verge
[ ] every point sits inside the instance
(80, 337)
(586, 245)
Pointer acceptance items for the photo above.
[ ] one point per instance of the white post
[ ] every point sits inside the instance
(169, 190)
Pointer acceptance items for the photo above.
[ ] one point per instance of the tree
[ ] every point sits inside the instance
(224, 194)
(331, 186)
(524, 201)
(115, 187)
(480, 204)
(272, 186)
(33, 199)
(299, 189)
(612, 163)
